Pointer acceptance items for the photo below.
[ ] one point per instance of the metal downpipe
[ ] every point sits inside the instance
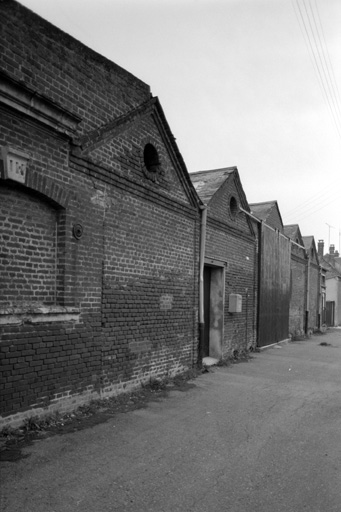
(201, 281)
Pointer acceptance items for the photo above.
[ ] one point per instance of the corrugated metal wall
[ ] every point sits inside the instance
(274, 287)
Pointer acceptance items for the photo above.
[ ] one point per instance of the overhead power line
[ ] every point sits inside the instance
(304, 215)
(322, 58)
(325, 201)
(333, 78)
(312, 199)
(322, 64)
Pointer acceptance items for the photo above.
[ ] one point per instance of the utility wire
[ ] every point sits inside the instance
(325, 191)
(307, 208)
(312, 208)
(321, 71)
(336, 88)
(299, 219)
(330, 197)
(307, 38)
(323, 61)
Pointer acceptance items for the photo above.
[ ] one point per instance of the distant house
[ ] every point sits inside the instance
(274, 253)
(230, 266)
(332, 262)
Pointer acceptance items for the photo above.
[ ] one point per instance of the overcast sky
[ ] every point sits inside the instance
(251, 83)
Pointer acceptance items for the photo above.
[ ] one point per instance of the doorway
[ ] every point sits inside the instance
(330, 313)
(214, 279)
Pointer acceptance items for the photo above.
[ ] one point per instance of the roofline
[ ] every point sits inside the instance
(266, 202)
(74, 43)
(233, 172)
(232, 168)
(273, 202)
(263, 223)
(196, 200)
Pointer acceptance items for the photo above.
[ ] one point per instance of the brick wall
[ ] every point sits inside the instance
(28, 241)
(314, 285)
(64, 70)
(230, 239)
(239, 253)
(149, 295)
(298, 291)
(118, 244)
(43, 364)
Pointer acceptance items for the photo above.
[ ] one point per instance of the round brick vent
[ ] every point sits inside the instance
(151, 162)
(151, 158)
(77, 231)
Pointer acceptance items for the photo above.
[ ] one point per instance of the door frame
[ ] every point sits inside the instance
(217, 307)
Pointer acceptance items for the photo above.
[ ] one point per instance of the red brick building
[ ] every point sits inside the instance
(298, 284)
(99, 226)
(230, 265)
(313, 291)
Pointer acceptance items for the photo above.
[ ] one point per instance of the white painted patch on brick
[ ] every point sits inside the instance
(166, 302)
(101, 198)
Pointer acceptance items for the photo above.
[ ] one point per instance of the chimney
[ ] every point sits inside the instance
(331, 250)
(320, 248)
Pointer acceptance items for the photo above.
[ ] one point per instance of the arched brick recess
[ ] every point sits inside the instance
(48, 188)
(32, 242)
(29, 252)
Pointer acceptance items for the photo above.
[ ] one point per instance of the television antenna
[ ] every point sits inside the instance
(329, 228)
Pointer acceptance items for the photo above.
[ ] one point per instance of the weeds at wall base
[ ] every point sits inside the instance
(96, 411)
(242, 356)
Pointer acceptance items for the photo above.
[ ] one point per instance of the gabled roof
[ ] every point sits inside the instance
(266, 211)
(101, 135)
(309, 244)
(181, 168)
(308, 241)
(206, 183)
(262, 210)
(293, 232)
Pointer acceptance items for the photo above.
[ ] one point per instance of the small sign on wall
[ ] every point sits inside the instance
(14, 164)
(235, 303)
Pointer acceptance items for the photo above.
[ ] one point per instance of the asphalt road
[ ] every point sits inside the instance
(263, 435)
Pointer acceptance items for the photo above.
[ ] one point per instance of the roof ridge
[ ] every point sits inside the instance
(232, 168)
(266, 202)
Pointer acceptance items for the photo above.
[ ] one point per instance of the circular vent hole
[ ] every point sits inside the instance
(151, 158)
(233, 207)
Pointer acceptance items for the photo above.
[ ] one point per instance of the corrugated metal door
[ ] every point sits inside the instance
(274, 288)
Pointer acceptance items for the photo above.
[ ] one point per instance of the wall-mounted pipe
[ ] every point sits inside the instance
(270, 227)
(201, 280)
(307, 308)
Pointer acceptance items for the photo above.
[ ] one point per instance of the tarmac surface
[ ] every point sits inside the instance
(259, 436)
